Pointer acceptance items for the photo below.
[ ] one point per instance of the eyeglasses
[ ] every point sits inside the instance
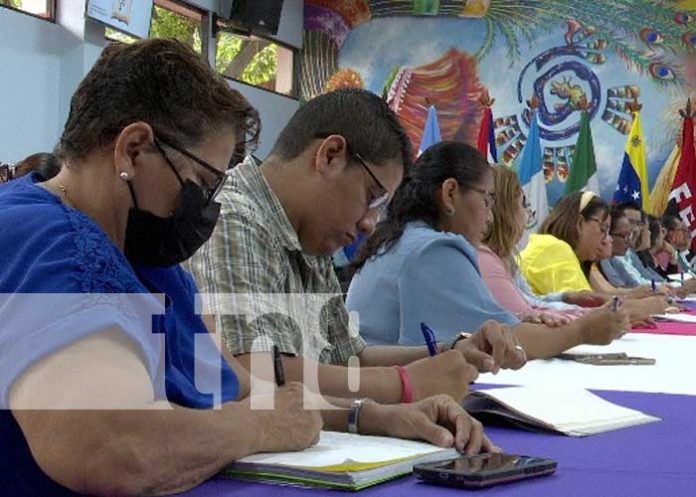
(211, 192)
(488, 197)
(625, 237)
(604, 228)
(382, 199)
(639, 224)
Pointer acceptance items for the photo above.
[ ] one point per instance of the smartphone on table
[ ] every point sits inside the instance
(484, 470)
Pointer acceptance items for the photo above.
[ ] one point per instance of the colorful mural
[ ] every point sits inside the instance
(569, 54)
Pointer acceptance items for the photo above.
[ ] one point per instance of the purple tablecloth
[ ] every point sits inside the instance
(658, 459)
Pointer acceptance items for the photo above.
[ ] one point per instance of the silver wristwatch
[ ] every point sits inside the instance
(353, 414)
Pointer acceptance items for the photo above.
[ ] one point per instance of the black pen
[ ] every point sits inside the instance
(278, 367)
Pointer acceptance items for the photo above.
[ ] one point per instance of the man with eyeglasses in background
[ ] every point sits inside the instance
(673, 258)
(624, 268)
(333, 169)
(623, 238)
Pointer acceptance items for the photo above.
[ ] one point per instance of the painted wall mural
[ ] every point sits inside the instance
(569, 53)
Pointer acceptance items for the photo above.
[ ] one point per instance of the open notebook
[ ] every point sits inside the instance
(569, 411)
(340, 460)
(677, 317)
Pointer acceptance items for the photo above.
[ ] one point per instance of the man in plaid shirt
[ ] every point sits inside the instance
(334, 167)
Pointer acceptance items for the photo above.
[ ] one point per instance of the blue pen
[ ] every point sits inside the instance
(429, 336)
(652, 284)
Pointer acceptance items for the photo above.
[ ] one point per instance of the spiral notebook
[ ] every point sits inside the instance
(568, 411)
(340, 460)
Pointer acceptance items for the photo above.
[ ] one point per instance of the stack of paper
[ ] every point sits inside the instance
(573, 412)
(340, 460)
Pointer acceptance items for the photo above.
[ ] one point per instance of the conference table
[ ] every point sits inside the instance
(655, 459)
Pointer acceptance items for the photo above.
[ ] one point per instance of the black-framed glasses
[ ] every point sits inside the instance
(382, 199)
(625, 237)
(603, 227)
(211, 191)
(488, 196)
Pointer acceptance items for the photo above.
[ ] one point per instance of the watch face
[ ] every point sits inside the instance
(353, 414)
(459, 336)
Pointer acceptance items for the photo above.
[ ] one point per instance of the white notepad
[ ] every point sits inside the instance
(677, 317)
(573, 412)
(340, 460)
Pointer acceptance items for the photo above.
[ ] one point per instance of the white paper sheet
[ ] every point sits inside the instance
(674, 372)
(573, 411)
(677, 317)
(337, 448)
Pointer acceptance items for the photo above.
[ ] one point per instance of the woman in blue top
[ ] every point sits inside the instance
(105, 365)
(421, 266)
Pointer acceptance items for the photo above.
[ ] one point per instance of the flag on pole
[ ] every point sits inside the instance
(633, 178)
(431, 131)
(684, 186)
(583, 173)
(663, 185)
(531, 174)
(486, 137)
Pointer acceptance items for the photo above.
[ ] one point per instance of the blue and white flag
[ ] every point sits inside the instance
(431, 131)
(531, 175)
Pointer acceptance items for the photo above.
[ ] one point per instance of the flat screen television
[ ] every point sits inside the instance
(129, 16)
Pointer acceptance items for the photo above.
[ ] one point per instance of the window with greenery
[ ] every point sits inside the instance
(169, 20)
(40, 8)
(255, 61)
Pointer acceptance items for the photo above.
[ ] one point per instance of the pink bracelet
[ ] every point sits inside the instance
(407, 390)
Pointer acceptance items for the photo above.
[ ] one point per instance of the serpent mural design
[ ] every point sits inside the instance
(569, 54)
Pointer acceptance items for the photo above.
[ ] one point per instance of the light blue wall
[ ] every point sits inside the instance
(30, 87)
(42, 64)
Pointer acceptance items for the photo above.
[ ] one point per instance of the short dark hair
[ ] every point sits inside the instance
(621, 208)
(416, 197)
(367, 123)
(617, 212)
(668, 221)
(655, 227)
(44, 163)
(158, 81)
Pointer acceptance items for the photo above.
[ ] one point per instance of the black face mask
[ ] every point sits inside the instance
(165, 241)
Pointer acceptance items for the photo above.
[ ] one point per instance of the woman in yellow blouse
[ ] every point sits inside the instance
(558, 258)
(570, 240)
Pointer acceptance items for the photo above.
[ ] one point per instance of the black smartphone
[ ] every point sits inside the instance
(484, 470)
